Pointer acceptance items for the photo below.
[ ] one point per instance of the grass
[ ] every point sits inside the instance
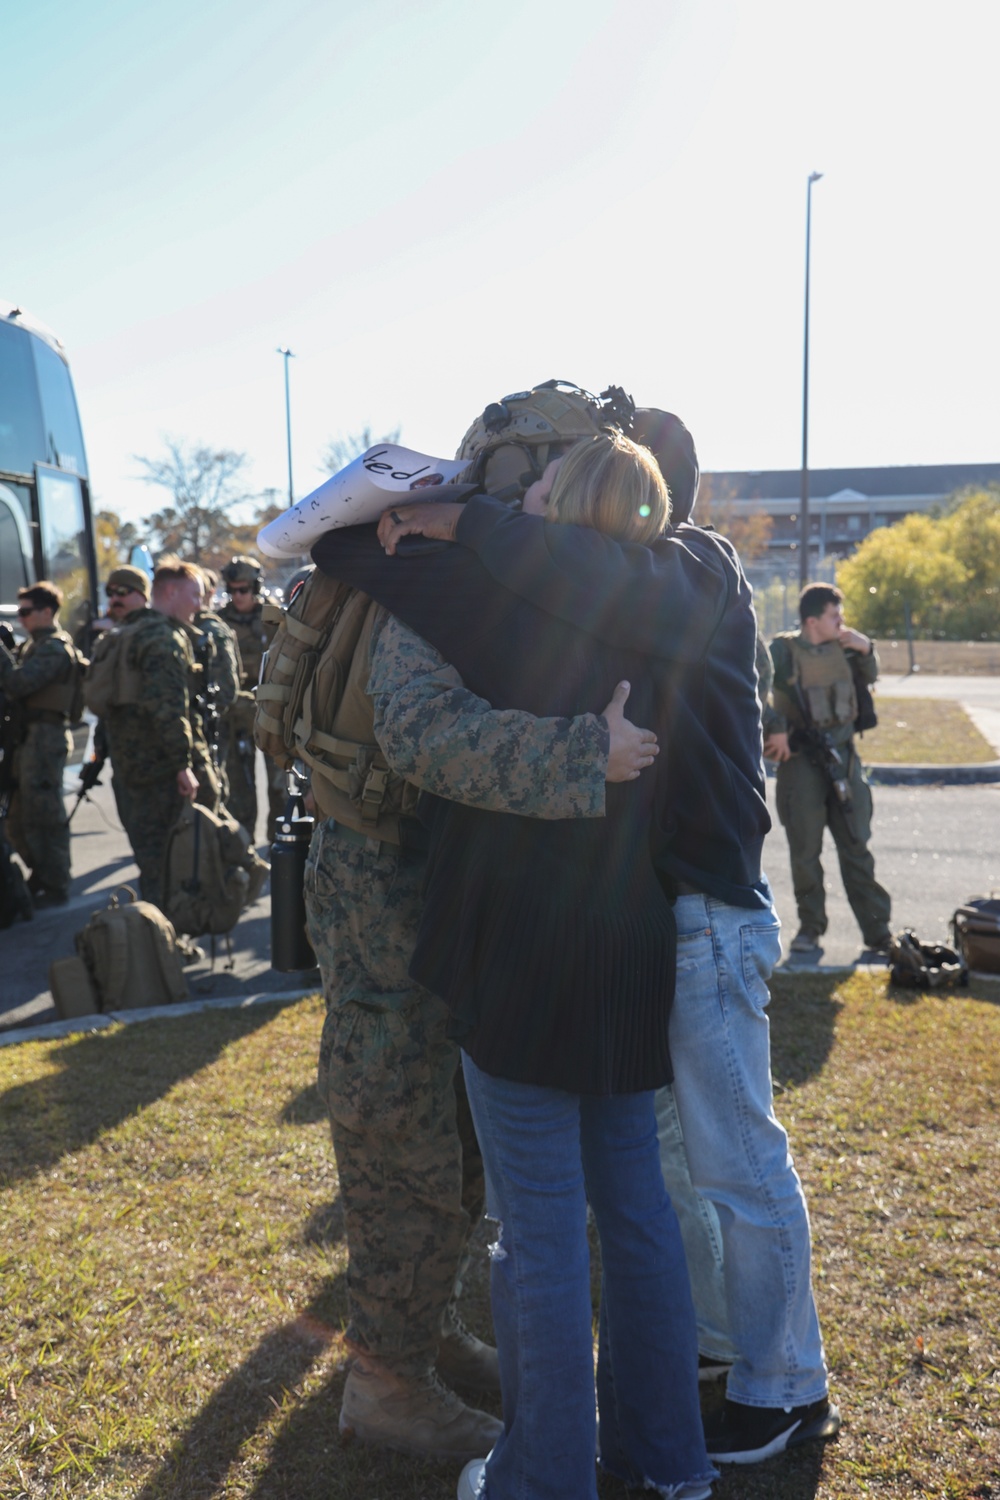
(923, 731)
(173, 1260)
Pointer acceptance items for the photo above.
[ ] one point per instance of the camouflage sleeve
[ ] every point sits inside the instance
(765, 681)
(443, 738)
(781, 663)
(228, 666)
(165, 662)
(47, 662)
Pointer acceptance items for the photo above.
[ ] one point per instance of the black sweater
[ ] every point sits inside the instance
(551, 942)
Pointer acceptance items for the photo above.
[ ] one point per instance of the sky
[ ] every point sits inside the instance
(435, 203)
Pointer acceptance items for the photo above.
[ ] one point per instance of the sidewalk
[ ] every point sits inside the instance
(979, 696)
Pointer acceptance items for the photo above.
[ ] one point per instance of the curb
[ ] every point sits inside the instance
(983, 773)
(54, 1030)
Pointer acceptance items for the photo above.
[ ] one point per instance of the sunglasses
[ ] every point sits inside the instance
(25, 609)
(241, 588)
(119, 593)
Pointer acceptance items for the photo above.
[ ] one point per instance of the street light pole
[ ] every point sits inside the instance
(287, 355)
(804, 507)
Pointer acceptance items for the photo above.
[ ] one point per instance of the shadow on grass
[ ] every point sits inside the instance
(306, 1108)
(803, 1010)
(198, 1465)
(104, 1077)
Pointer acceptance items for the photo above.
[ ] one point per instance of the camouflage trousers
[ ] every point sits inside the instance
(37, 824)
(411, 1176)
(148, 811)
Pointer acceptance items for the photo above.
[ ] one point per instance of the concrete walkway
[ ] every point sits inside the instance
(979, 696)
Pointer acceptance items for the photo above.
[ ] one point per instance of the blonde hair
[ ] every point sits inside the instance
(612, 484)
(170, 569)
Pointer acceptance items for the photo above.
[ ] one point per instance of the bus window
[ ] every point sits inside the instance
(63, 438)
(16, 571)
(63, 523)
(22, 437)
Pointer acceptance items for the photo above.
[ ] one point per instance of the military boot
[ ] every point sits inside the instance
(465, 1362)
(412, 1413)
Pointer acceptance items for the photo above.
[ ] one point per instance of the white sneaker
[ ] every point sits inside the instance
(472, 1480)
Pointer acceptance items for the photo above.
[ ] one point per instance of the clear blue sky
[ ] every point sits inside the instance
(437, 202)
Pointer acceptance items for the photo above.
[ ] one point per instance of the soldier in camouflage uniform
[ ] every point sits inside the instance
(244, 615)
(225, 672)
(410, 1170)
(150, 736)
(41, 680)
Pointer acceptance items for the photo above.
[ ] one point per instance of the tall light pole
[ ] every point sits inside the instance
(804, 508)
(287, 355)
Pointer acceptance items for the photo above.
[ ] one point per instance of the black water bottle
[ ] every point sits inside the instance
(291, 949)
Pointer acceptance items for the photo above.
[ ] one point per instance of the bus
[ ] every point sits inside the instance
(46, 524)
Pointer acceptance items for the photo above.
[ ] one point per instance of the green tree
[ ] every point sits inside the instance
(898, 566)
(114, 539)
(971, 531)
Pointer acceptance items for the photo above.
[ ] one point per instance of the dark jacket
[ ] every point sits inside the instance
(551, 942)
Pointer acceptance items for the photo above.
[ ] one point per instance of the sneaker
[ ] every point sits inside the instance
(710, 1368)
(880, 947)
(472, 1480)
(465, 1362)
(740, 1434)
(804, 941)
(415, 1414)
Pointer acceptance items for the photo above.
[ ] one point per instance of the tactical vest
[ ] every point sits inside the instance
(824, 676)
(253, 636)
(113, 680)
(61, 696)
(313, 706)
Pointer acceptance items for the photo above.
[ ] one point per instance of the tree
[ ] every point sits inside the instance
(114, 539)
(749, 531)
(340, 451)
(898, 568)
(207, 485)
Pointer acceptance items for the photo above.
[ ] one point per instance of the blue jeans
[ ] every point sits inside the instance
(546, 1153)
(738, 1153)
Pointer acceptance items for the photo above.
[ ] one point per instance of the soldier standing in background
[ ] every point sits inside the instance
(148, 725)
(815, 689)
(224, 679)
(244, 615)
(42, 680)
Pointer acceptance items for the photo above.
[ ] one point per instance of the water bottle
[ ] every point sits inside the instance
(291, 949)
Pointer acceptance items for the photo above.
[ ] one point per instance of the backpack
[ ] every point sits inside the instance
(312, 706)
(210, 873)
(976, 926)
(130, 952)
(924, 966)
(109, 680)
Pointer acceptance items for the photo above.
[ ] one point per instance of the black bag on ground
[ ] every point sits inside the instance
(924, 966)
(976, 926)
(15, 898)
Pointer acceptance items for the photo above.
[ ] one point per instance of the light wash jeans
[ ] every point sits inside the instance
(546, 1153)
(738, 1153)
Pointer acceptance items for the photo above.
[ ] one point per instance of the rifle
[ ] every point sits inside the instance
(206, 694)
(820, 750)
(90, 776)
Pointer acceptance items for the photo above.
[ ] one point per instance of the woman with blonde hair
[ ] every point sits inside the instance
(554, 948)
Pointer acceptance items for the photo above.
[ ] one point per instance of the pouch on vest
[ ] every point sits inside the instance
(130, 952)
(109, 681)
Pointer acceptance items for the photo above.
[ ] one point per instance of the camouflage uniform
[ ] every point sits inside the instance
(151, 741)
(36, 821)
(226, 675)
(215, 655)
(410, 1173)
(253, 636)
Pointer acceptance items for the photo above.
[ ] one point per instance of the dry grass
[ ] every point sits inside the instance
(949, 658)
(173, 1258)
(923, 731)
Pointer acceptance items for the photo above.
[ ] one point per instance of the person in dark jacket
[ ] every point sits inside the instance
(552, 943)
(709, 833)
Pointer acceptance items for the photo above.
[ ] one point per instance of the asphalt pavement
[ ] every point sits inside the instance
(934, 847)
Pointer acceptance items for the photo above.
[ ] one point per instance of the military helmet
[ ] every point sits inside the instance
(242, 569)
(509, 445)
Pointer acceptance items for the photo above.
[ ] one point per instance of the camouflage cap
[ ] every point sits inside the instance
(241, 569)
(127, 577)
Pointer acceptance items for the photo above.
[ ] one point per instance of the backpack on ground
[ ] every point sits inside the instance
(976, 926)
(130, 954)
(210, 873)
(924, 966)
